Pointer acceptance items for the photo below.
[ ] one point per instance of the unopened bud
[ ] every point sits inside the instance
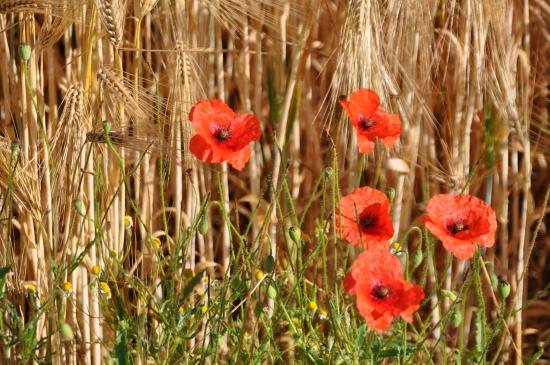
(203, 225)
(295, 234)
(25, 51)
(503, 289)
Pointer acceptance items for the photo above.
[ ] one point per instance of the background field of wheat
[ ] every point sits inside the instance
(127, 249)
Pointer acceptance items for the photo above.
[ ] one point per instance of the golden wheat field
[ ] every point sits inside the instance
(274, 182)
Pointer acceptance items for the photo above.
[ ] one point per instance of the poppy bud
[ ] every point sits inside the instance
(66, 331)
(503, 289)
(14, 147)
(494, 280)
(269, 264)
(295, 234)
(329, 171)
(456, 317)
(107, 126)
(271, 292)
(25, 52)
(203, 225)
(390, 193)
(417, 258)
(79, 207)
(449, 294)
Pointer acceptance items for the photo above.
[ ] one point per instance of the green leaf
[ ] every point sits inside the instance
(537, 355)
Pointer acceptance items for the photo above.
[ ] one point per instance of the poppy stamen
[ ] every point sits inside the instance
(457, 227)
(367, 222)
(380, 292)
(365, 123)
(222, 134)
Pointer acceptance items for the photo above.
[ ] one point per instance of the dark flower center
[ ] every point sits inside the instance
(368, 221)
(365, 123)
(380, 292)
(222, 134)
(457, 227)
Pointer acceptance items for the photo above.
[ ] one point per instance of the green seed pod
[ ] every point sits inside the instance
(203, 225)
(66, 331)
(295, 234)
(503, 289)
(456, 317)
(25, 51)
(418, 256)
(271, 292)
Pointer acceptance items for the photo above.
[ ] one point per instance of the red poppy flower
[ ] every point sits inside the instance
(381, 291)
(222, 135)
(370, 121)
(461, 222)
(365, 217)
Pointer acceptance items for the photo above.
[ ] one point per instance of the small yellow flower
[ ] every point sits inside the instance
(209, 281)
(104, 290)
(323, 315)
(128, 222)
(246, 335)
(312, 305)
(31, 289)
(181, 309)
(155, 243)
(395, 248)
(259, 275)
(96, 270)
(204, 308)
(67, 288)
(296, 321)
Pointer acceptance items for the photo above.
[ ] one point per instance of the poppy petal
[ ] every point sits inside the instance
(204, 151)
(365, 144)
(238, 159)
(349, 283)
(414, 296)
(362, 102)
(246, 129)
